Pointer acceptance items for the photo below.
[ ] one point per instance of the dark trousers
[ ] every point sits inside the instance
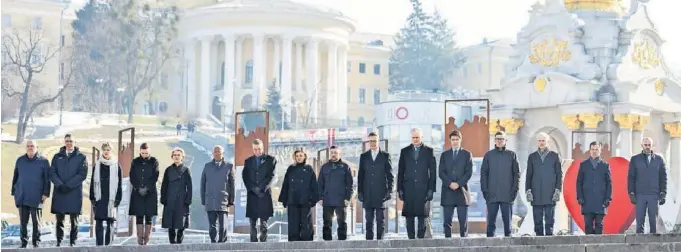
(73, 234)
(506, 212)
(300, 223)
(421, 233)
(461, 214)
(143, 219)
(35, 214)
(254, 229)
(175, 236)
(543, 219)
(647, 203)
(593, 223)
(217, 222)
(101, 239)
(370, 215)
(327, 215)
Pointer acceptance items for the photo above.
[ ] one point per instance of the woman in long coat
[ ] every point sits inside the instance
(105, 193)
(299, 195)
(143, 204)
(176, 196)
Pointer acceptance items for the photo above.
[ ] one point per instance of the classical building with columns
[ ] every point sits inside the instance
(582, 67)
(233, 51)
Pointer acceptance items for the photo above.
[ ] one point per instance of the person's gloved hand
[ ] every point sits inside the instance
(663, 198)
(529, 195)
(556, 195)
(632, 198)
(117, 203)
(387, 196)
(606, 203)
(143, 191)
(360, 197)
(429, 196)
(63, 188)
(580, 201)
(401, 195)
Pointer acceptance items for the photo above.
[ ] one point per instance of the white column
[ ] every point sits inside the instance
(228, 96)
(299, 67)
(258, 69)
(625, 142)
(286, 91)
(342, 96)
(205, 78)
(312, 67)
(276, 58)
(214, 71)
(674, 164)
(190, 56)
(332, 82)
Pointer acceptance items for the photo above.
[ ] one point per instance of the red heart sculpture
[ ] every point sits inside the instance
(621, 212)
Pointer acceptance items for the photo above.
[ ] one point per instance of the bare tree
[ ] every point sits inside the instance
(307, 117)
(25, 56)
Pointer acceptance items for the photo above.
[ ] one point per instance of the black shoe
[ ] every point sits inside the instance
(36, 246)
(58, 244)
(22, 246)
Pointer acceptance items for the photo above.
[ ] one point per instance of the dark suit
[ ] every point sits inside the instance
(374, 188)
(594, 193)
(544, 178)
(455, 168)
(647, 184)
(416, 179)
(257, 176)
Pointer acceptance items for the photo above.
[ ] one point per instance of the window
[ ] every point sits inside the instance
(349, 66)
(377, 96)
(362, 96)
(249, 73)
(61, 70)
(360, 121)
(38, 23)
(348, 95)
(377, 69)
(35, 58)
(63, 40)
(6, 20)
(362, 68)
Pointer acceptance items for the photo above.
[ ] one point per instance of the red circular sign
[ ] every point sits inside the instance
(402, 113)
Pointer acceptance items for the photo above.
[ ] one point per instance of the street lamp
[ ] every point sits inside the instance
(61, 104)
(59, 67)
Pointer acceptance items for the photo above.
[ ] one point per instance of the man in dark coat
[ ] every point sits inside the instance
(176, 197)
(543, 183)
(69, 170)
(30, 188)
(499, 181)
(257, 175)
(335, 190)
(647, 185)
(374, 186)
(143, 198)
(594, 189)
(217, 193)
(416, 179)
(456, 168)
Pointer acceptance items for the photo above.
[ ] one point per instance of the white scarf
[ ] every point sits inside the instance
(112, 162)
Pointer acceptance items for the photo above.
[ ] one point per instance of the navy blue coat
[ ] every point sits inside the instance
(416, 176)
(594, 186)
(647, 179)
(260, 176)
(31, 180)
(460, 171)
(70, 172)
(375, 179)
(335, 183)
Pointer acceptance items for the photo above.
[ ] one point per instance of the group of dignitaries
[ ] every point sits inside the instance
(332, 188)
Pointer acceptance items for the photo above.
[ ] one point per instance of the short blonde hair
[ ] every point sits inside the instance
(106, 145)
(178, 149)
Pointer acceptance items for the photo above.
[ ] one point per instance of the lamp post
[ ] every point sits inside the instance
(59, 76)
(61, 104)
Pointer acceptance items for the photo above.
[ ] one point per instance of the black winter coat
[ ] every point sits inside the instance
(335, 183)
(416, 177)
(594, 186)
(299, 186)
(375, 179)
(67, 175)
(101, 207)
(176, 196)
(144, 174)
(500, 176)
(543, 177)
(455, 170)
(31, 180)
(258, 173)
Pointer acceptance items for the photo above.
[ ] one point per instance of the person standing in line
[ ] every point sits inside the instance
(500, 181)
(257, 175)
(335, 190)
(30, 188)
(374, 186)
(543, 185)
(299, 194)
(416, 180)
(456, 168)
(105, 194)
(647, 185)
(594, 189)
(176, 197)
(143, 199)
(217, 193)
(69, 170)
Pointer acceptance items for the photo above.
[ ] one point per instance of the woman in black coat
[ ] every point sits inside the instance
(143, 199)
(176, 196)
(299, 196)
(105, 193)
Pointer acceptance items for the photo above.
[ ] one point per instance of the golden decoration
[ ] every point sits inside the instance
(597, 5)
(550, 52)
(659, 87)
(511, 125)
(591, 120)
(674, 129)
(494, 127)
(645, 55)
(641, 123)
(626, 121)
(571, 121)
(540, 84)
